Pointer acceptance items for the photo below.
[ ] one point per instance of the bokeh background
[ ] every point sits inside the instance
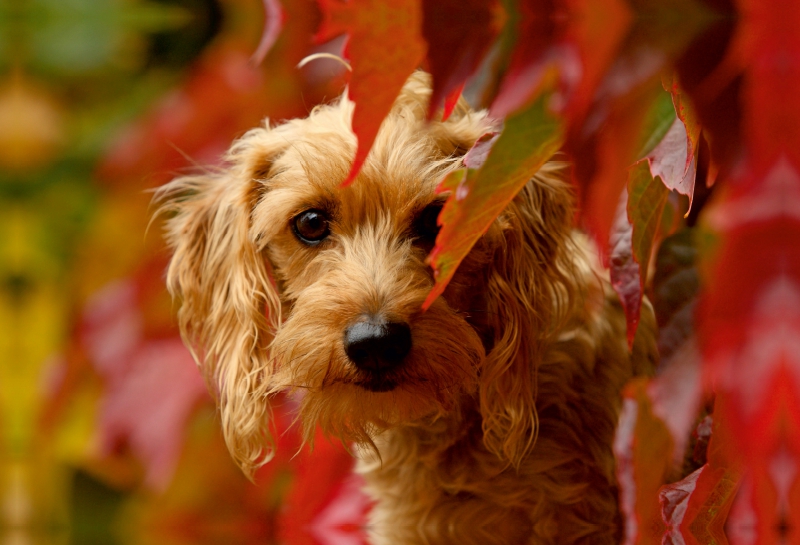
(107, 433)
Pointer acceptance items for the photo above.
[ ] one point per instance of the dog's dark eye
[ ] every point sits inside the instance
(311, 226)
(426, 226)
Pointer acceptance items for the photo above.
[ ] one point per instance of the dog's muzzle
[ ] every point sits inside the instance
(377, 347)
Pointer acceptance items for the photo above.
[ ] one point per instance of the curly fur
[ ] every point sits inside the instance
(500, 427)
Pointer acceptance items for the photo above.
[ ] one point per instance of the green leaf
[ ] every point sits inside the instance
(646, 199)
(657, 123)
(675, 287)
(632, 241)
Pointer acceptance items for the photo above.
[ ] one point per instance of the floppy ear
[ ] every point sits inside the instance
(530, 291)
(229, 305)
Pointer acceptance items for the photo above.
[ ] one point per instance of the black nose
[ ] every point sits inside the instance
(377, 346)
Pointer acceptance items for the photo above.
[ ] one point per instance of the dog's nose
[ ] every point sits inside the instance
(377, 346)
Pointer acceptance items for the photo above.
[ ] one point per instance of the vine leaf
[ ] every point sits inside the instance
(477, 197)
(643, 449)
(380, 66)
(459, 33)
(632, 238)
(673, 160)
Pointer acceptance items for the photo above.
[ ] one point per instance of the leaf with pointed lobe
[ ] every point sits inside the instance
(385, 45)
(609, 109)
(687, 115)
(476, 198)
(450, 101)
(671, 161)
(476, 156)
(633, 233)
(632, 239)
(695, 509)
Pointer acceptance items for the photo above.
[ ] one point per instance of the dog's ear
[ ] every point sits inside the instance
(229, 304)
(530, 291)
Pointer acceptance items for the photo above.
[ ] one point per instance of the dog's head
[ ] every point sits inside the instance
(289, 282)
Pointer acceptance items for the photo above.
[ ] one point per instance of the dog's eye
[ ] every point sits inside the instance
(311, 226)
(426, 226)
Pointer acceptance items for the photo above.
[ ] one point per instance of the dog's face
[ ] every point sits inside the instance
(349, 264)
(290, 282)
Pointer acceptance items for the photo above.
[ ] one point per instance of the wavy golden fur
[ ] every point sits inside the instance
(497, 427)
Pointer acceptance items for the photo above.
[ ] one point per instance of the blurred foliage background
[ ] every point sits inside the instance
(108, 435)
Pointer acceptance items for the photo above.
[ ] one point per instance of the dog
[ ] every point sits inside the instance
(486, 419)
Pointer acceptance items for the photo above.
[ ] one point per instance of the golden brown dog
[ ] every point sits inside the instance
(487, 418)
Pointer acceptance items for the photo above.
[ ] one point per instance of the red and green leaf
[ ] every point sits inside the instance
(528, 140)
(632, 238)
(634, 232)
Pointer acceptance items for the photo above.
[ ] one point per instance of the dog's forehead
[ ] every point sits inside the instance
(394, 181)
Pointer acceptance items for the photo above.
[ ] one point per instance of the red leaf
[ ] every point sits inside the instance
(602, 161)
(624, 270)
(643, 449)
(768, 47)
(751, 309)
(674, 500)
(326, 503)
(141, 407)
(531, 56)
(380, 66)
(273, 23)
(596, 37)
(459, 33)
(528, 140)
(677, 393)
(451, 101)
(610, 105)
(695, 509)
